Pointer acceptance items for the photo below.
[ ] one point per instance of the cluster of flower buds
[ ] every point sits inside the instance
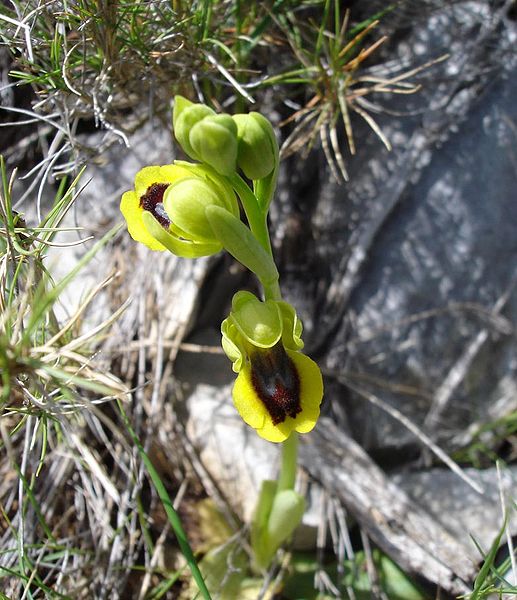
(226, 142)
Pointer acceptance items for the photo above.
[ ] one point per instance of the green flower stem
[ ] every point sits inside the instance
(272, 291)
(287, 477)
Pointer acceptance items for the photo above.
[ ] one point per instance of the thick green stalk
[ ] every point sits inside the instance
(287, 476)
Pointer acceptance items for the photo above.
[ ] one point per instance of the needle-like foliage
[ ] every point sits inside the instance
(333, 59)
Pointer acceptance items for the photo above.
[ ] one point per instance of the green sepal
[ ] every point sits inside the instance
(185, 202)
(238, 240)
(253, 323)
(222, 188)
(184, 248)
(259, 322)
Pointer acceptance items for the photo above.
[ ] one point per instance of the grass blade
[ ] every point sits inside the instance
(483, 575)
(172, 515)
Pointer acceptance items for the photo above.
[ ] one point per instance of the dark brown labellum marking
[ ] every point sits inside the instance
(276, 382)
(152, 201)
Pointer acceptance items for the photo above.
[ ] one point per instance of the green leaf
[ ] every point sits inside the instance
(285, 516)
(238, 240)
(259, 523)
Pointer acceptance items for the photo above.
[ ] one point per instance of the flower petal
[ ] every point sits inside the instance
(246, 401)
(311, 391)
(158, 174)
(133, 213)
(253, 411)
(276, 433)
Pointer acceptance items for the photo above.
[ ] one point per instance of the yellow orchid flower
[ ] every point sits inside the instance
(166, 210)
(278, 389)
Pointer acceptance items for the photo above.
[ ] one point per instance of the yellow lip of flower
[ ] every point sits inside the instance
(279, 391)
(147, 220)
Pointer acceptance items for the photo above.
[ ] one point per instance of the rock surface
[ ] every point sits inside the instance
(466, 514)
(410, 288)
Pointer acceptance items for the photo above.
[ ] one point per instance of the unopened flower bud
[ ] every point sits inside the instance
(257, 153)
(185, 115)
(206, 136)
(214, 140)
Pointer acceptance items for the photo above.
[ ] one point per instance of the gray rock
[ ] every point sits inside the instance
(233, 454)
(469, 516)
